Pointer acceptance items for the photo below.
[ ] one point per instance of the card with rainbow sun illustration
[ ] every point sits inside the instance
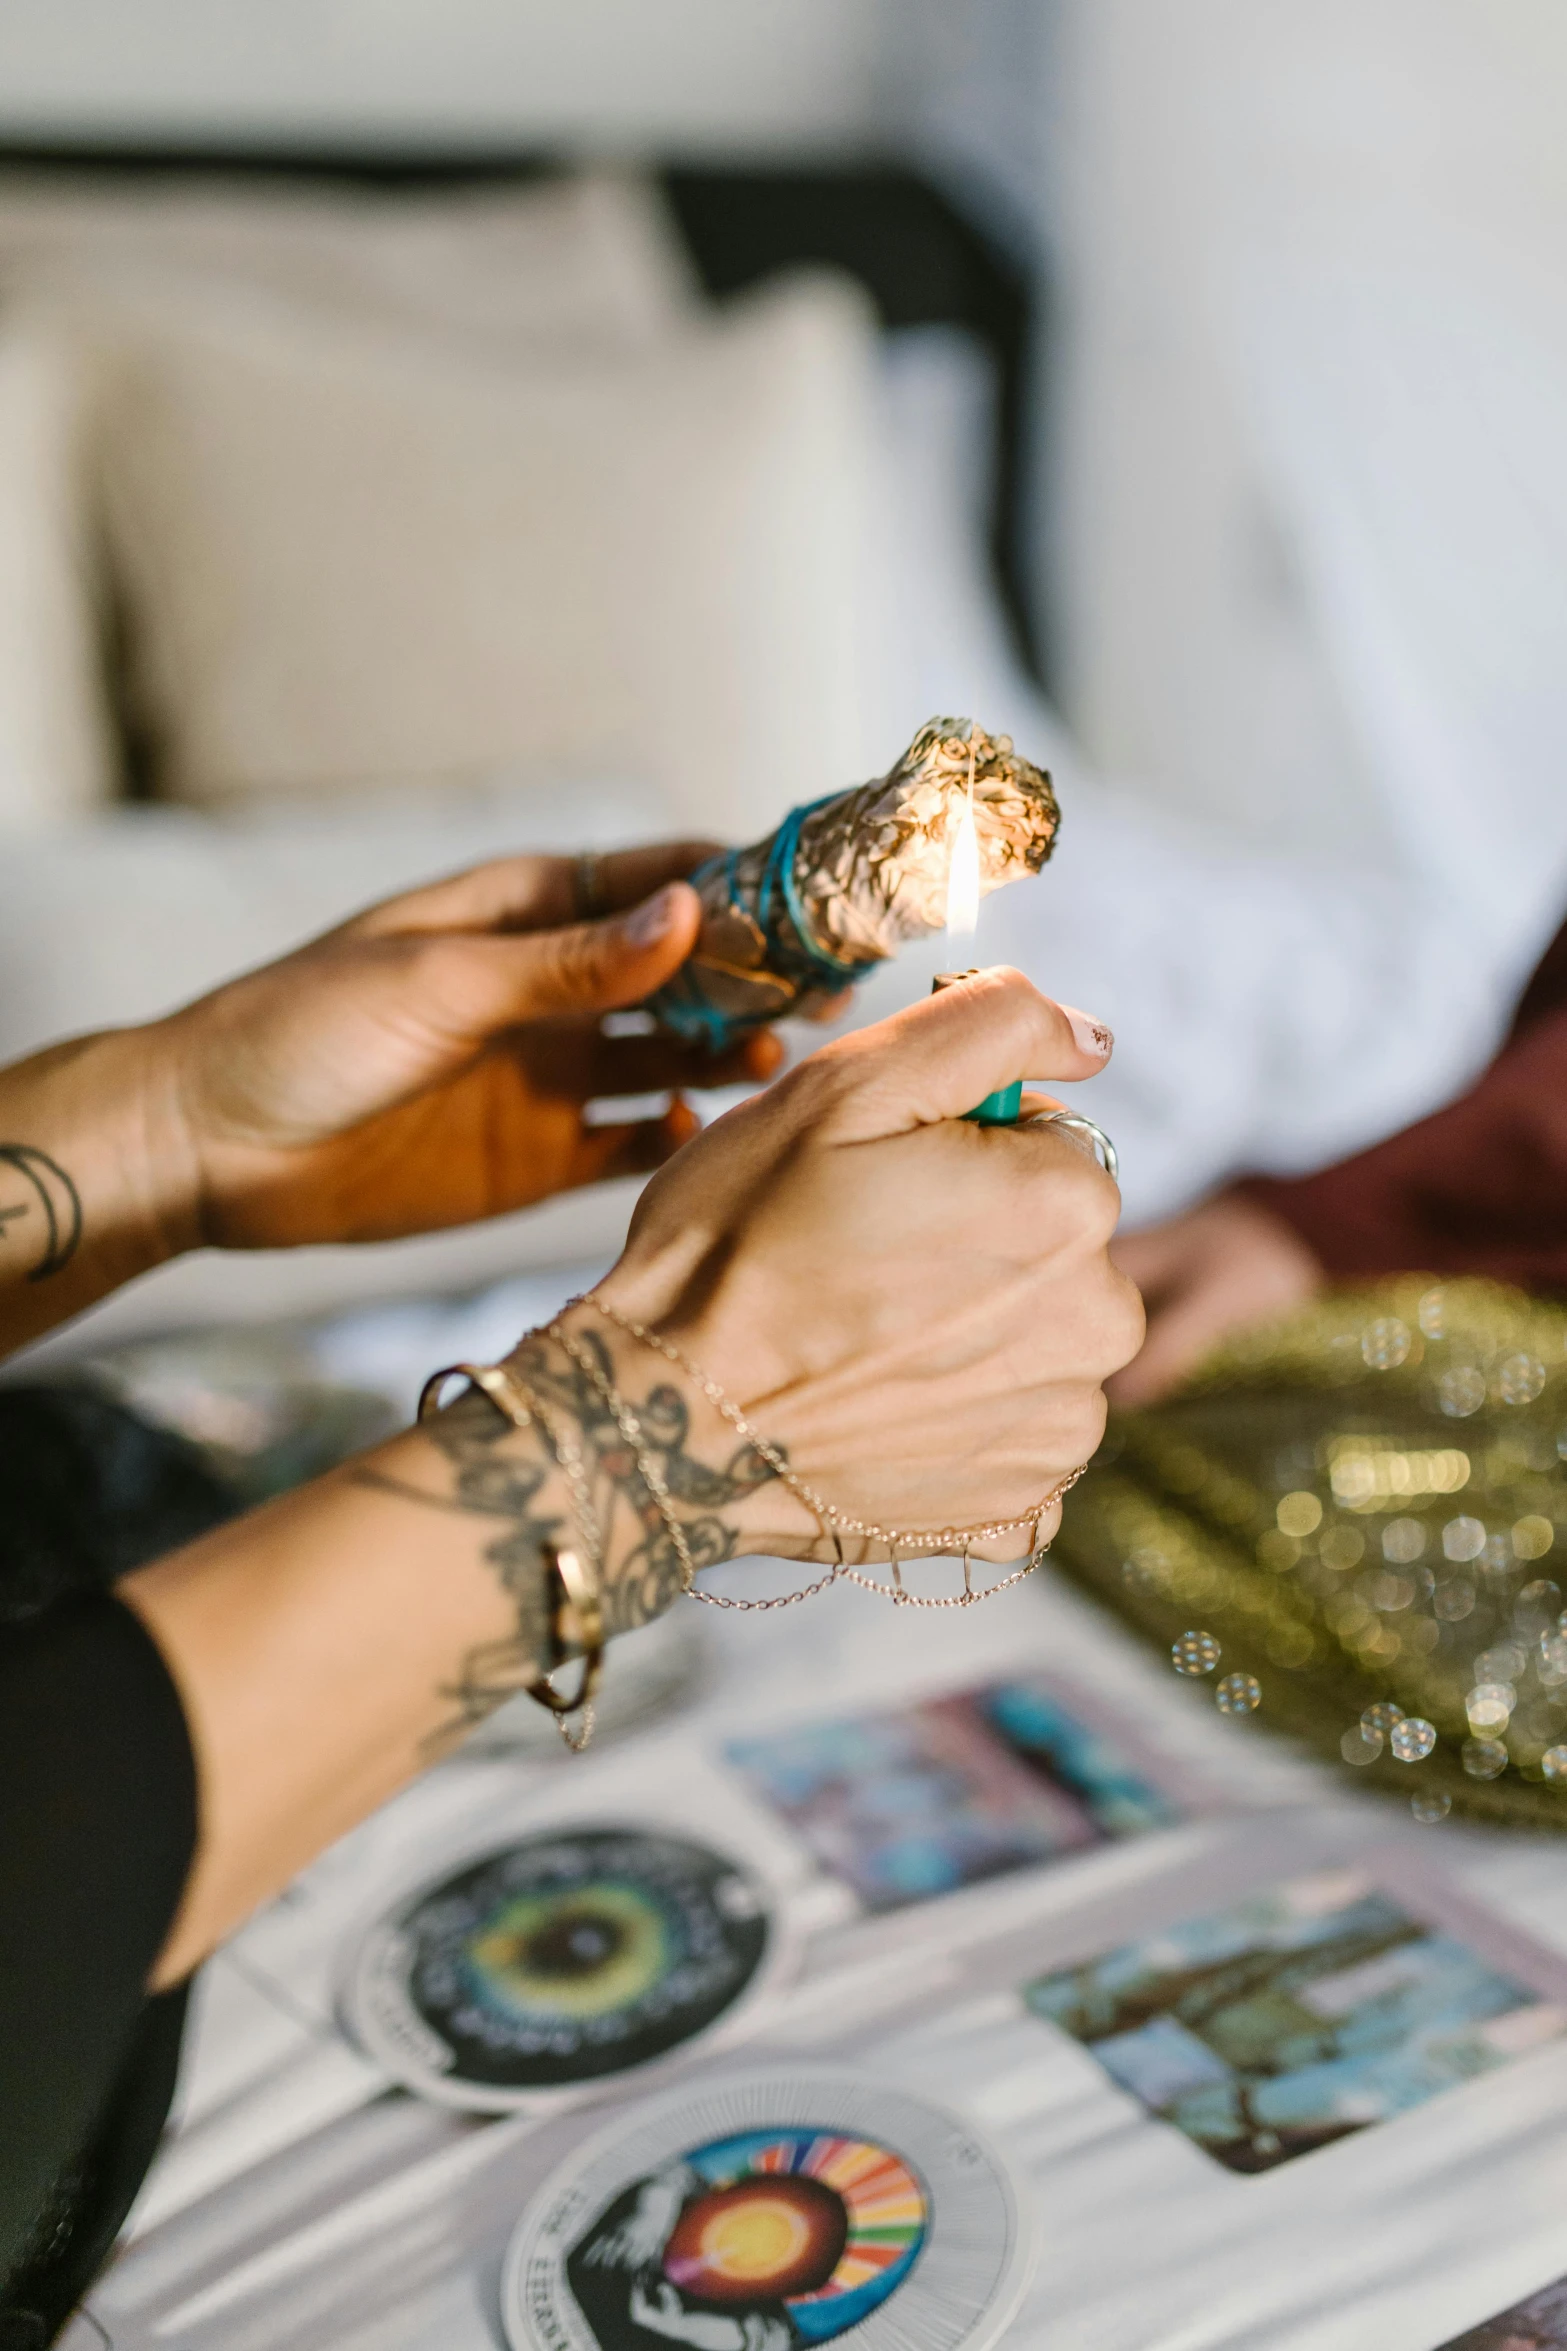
(772, 2212)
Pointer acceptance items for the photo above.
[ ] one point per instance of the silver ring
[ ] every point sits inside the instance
(1097, 1140)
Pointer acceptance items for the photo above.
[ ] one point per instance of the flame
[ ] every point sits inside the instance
(963, 879)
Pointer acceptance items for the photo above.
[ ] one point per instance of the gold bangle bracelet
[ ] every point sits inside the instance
(573, 1581)
(577, 1616)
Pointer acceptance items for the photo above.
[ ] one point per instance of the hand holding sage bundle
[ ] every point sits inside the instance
(847, 880)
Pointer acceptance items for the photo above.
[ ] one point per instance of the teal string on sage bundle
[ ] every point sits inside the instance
(847, 880)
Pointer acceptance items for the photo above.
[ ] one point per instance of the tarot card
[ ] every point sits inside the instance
(926, 1798)
(557, 1960)
(1298, 2015)
(771, 2212)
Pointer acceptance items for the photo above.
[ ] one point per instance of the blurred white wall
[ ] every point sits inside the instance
(1282, 235)
(1300, 536)
(612, 75)
(1164, 579)
(1184, 646)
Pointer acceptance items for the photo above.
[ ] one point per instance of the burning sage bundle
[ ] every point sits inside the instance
(846, 881)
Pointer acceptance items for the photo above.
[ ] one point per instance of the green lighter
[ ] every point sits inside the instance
(1002, 1108)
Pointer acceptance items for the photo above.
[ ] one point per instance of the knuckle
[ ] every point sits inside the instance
(1083, 1203)
(1011, 987)
(1105, 1211)
(1015, 1004)
(1125, 1322)
(573, 958)
(448, 979)
(1096, 1412)
(1079, 1426)
(1041, 1020)
(574, 967)
(817, 1086)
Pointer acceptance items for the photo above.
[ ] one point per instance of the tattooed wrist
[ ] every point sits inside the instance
(40, 1214)
(507, 1476)
(641, 1570)
(499, 1473)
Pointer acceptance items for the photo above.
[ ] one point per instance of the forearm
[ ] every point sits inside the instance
(327, 1647)
(95, 1178)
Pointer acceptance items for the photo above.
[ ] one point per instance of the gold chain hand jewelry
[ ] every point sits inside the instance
(940, 1540)
(631, 1430)
(657, 1485)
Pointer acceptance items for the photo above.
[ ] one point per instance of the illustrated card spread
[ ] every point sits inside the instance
(1302, 2014)
(1537, 2324)
(924, 1799)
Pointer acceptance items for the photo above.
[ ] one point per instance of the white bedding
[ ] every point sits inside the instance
(1268, 1014)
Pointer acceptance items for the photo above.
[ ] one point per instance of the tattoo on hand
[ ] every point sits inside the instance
(497, 1475)
(36, 1191)
(647, 1579)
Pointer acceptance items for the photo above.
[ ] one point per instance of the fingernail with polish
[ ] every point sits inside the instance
(1092, 1035)
(653, 917)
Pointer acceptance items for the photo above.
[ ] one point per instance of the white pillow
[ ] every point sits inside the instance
(591, 261)
(56, 755)
(350, 556)
(588, 263)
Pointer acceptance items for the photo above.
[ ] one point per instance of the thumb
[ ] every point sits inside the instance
(936, 1059)
(586, 967)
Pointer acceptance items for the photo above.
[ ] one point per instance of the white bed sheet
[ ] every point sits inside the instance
(382, 2220)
